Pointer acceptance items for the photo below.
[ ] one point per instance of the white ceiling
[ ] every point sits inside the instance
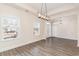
(50, 6)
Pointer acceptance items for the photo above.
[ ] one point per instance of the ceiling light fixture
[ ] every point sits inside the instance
(43, 12)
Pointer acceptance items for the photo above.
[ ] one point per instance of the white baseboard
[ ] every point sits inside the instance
(19, 45)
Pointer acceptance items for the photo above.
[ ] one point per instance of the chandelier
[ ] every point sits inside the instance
(43, 12)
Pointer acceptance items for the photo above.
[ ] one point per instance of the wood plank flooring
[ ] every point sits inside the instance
(49, 47)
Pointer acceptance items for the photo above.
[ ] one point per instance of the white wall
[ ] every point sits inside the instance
(26, 31)
(70, 26)
(66, 27)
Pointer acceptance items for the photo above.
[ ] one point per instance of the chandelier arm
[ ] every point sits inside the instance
(46, 9)
(41, 8)
(43, 12)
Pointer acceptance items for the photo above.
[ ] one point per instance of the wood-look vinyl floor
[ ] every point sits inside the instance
(49, 47)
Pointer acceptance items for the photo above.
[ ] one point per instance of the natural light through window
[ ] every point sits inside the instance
(10, 27)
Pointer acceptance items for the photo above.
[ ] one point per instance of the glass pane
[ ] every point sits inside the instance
(37, 27)
(9, 27)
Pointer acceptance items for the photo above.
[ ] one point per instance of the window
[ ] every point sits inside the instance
(37, 27)
(10, 27)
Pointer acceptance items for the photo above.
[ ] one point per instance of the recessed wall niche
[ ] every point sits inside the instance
(10, 26)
